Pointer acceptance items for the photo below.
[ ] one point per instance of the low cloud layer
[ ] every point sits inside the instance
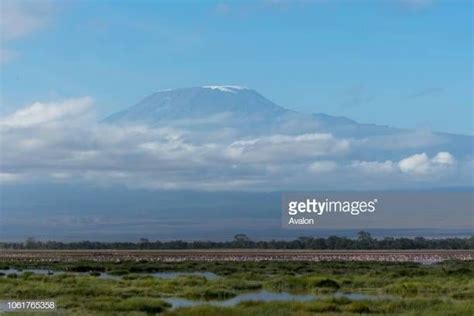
(63, 142)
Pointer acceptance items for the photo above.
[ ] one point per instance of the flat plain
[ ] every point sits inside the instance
(241, 282)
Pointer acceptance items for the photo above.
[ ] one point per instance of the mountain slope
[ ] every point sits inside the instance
(199, 102)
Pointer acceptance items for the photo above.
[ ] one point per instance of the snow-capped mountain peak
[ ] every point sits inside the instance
(169, 106)
(226, 88)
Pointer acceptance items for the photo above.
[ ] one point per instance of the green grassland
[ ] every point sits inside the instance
(403, 288)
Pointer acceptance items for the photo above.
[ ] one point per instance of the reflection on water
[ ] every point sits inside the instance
(265, 296)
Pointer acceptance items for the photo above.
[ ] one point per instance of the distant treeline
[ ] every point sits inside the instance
(363, 241)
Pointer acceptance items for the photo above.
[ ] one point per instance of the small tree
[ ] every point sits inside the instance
(365, 240)
(144, 241)
(241, 238)
(30, 243)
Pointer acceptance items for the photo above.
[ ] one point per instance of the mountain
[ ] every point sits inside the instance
(247, 113)
(198, 103)
(232, 107)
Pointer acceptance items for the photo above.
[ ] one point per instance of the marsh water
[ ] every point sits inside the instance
(171, 275)
(265, 296)
(104, 275)
(178, 302)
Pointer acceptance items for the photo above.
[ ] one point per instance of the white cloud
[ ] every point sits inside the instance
(421, 164)
(287, 147)
(18, 19)
(6, 177)
(47, 113)
(21, 18)
(322, 166)
(418, 163)
(375, 167)
(443, 158)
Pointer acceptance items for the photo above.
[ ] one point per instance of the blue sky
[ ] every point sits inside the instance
(401, 63)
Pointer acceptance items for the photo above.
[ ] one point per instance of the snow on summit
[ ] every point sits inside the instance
(225, 88)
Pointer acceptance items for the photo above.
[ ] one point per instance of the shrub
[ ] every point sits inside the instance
(326, 283)
(324, 307)
(86, 268)
(358, 307)
(142, 304)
